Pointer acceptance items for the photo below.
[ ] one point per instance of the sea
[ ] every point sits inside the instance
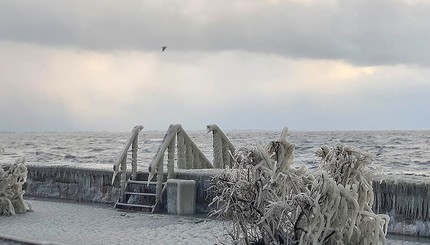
(393, 151)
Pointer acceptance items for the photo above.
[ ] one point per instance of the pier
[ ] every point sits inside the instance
(404, 198)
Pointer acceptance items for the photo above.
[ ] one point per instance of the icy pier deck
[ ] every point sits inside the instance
(405, 198)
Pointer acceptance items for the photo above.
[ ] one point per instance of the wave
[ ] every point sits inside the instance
(393, 150)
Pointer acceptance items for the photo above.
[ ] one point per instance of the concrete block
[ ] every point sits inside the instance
(181, 196)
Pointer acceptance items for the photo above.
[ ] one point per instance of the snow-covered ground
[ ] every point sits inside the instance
(56, 222)
(72, 223)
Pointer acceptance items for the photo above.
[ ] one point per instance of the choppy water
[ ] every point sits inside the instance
(395, 151)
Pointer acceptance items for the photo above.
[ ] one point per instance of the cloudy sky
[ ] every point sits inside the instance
(89, 65)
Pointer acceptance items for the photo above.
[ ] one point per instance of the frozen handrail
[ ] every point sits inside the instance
(222, 147)
(189, 156)
(121, 164)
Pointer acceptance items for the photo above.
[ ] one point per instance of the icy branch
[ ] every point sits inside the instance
(11, 180)
(265, 200)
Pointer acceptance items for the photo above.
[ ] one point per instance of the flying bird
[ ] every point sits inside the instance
(163, 48)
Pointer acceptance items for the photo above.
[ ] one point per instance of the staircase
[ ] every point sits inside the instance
(140, 194)
(139, 191)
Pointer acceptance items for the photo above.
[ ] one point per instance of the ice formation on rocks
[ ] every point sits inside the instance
(12, 179)
(265, 200)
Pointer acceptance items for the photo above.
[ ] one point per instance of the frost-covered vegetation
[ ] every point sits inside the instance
(265, 200)
(11, 194)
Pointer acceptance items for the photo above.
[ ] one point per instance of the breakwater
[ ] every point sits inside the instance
(95, 185)
(83, 185)
(406, 199)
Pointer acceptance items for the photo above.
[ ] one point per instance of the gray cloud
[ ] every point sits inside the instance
(51, 89)
(368, 32)
(318, 64)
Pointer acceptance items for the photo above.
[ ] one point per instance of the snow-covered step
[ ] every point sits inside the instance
(140, 182)
(133, 205)
(140, 194)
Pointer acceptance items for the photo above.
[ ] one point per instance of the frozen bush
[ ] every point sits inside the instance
(265, 200)
(12, 179)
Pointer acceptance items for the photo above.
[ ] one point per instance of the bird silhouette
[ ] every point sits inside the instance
(163, 48)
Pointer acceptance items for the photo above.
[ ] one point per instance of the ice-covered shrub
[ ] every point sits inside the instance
(12, 179)
(348, 169)
(265, 200)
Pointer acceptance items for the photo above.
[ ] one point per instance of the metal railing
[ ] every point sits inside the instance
(121, 165)
(223, 149)
(189, 156)
(181, 151)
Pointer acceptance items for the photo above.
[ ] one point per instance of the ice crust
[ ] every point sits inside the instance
(405, 198)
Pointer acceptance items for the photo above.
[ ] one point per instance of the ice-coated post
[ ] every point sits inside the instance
(132, 141)
(134, 148)
(189, 155)
(217, 144)
(181, 150)
(160, 171)
(123, 177)
(226, 155)
(197, 163)
(222, 147)
(171, 158)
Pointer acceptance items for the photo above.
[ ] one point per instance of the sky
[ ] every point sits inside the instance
(247, 64)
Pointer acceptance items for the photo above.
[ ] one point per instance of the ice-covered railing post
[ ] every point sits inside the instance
(189, 156)
(121, 164)
(222, 147)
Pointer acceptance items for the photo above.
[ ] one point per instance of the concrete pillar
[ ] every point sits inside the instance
(181, 196)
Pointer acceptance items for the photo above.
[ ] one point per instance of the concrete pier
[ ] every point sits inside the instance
(406, 199)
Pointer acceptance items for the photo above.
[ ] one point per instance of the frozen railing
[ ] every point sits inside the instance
(222, 148)
(121, 164)
(189, 156)
(181, 151)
